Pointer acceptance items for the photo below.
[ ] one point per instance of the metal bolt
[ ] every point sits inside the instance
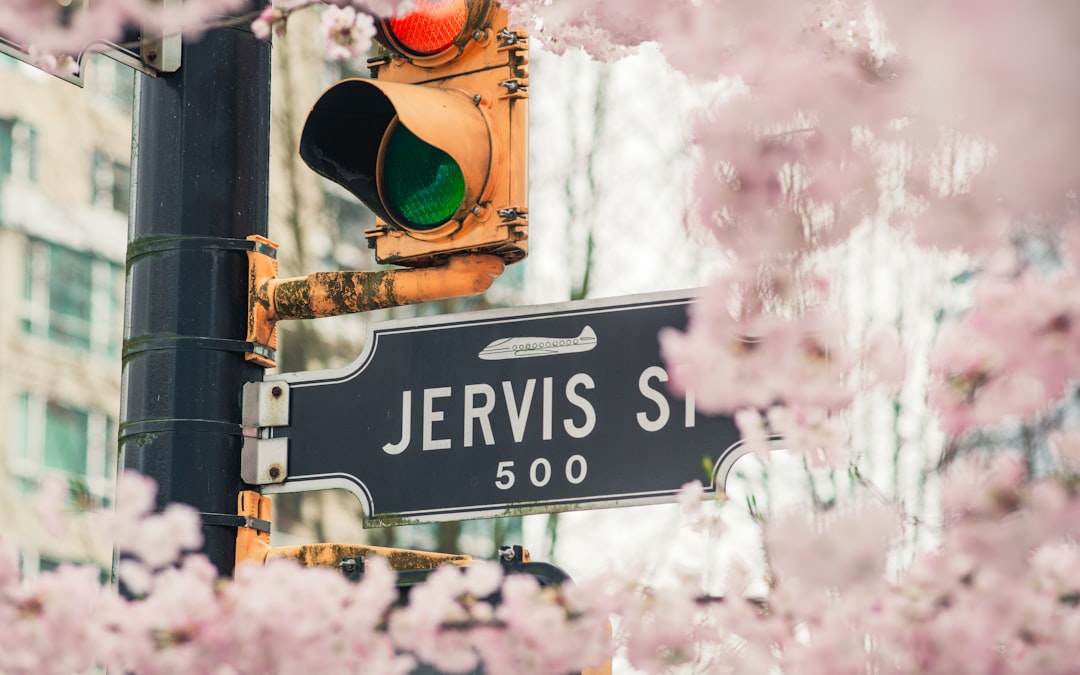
(476, 99)
(276, 392)
(352, 568)
(275, 471)
(478, 35)
(506, 553)
(508, 38)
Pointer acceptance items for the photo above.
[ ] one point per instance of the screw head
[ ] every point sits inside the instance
(275, 471)
(276, 391)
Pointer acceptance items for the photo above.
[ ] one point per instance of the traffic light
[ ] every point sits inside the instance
(436, 144)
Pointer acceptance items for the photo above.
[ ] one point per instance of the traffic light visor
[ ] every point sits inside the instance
(432, 27)
(419, 157)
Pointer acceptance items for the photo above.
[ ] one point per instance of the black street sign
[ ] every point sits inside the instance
(505, 412)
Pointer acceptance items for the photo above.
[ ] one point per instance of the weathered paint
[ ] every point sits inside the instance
(322, 294)
(334, 293)
(254, 546)
(331, 555)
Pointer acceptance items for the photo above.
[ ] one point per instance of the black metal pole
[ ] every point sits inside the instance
(200, 161)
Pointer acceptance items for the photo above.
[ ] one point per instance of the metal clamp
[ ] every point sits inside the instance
(261, 327)
(252, 522)
(516, 560)
(264, 460)
(234, 520)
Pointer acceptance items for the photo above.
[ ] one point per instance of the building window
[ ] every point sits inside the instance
(73, 299)
(18, 150)
(110, 183)
(55, 439)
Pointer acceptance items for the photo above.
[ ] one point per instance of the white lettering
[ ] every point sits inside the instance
(519, 414)
(540, 473)
(504, 477)
(478, 403)
(431, 416)
(547, 408)
(406, 426)
(576, 476)
(534, 474)
(474, 414)
(691, 409)
(664, 410)
(576, 399)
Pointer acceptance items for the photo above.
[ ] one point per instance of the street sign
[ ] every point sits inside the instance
(503, 412)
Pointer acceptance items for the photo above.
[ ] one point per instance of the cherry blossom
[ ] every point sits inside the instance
(755, 436)
(951, 121)
(998, 593)
(345, 33)
(790, 348)
(267, 19)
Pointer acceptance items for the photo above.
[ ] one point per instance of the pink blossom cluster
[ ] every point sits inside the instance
(1000, 593)
(1016, 353)
(58, 27)
(51, 31)
(951, 121)
(772, 343)
(276, 618)
(346, 29)
(742, 349)
(791, 164)
(965, 113)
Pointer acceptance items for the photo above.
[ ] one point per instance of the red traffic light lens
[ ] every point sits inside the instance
(432, 27)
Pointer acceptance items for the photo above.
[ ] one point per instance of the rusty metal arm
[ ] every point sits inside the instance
(332, 555)
(319, 294)
(334, 293)
(253, 546)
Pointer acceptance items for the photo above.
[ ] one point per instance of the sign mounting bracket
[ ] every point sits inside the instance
(264, 460)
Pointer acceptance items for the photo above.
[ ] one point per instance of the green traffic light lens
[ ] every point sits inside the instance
(422, 184)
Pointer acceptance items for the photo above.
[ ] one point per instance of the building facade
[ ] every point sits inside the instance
(64, 193)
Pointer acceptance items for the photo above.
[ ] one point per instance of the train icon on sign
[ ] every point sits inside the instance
(525, 347)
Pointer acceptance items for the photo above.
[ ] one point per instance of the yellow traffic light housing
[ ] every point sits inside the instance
(436, 144)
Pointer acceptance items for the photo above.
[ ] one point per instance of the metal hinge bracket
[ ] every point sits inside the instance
(264, 460)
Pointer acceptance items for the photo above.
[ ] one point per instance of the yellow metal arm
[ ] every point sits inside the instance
(271, 299)
(334, 293)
